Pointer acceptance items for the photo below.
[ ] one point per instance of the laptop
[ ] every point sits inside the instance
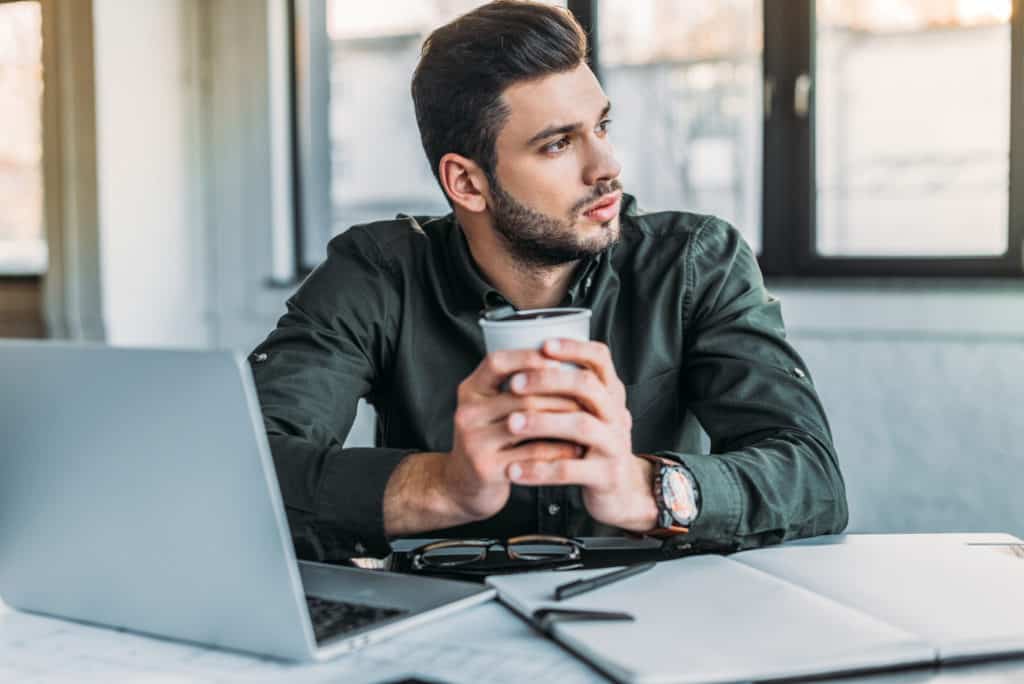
(138, 492)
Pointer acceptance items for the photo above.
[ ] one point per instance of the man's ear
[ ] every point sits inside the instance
(464, 182)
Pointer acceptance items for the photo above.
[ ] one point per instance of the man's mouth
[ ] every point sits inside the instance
(605, 209)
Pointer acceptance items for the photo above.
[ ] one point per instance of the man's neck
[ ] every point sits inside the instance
(525, 286)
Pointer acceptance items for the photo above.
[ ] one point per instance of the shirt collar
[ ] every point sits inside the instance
(474, 292)
(584, 277)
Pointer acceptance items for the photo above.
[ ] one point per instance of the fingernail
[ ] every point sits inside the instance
(515, 472)
(553, 345)
(518, 382)
(516, 422)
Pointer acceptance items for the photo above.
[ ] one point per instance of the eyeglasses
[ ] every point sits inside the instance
(530, 548)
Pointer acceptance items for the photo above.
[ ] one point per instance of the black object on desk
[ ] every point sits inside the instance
(564, 591)
(545, 618)
(598, 552)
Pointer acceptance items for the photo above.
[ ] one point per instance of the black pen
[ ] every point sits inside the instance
(578, 587)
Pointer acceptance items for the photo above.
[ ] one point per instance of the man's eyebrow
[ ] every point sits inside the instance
(567, 128)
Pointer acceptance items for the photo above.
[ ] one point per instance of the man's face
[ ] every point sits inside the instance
(555, 165)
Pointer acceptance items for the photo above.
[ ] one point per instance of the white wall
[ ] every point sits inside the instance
(923, 384)
(152, 237)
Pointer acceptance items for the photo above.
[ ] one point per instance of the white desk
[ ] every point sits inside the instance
(484, 644)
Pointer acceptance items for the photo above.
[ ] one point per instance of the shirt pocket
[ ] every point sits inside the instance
(656, 395)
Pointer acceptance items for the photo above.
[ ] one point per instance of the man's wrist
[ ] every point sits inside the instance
(645, 513)
(416, 498)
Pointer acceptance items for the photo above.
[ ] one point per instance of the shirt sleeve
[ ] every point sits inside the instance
(772, 473)
(324, 355)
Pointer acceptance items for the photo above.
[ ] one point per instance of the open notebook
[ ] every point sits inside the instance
(868, 603)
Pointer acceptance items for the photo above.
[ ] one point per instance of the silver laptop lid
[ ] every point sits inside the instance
(90, 432)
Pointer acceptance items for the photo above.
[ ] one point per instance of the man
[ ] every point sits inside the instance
(516, 128)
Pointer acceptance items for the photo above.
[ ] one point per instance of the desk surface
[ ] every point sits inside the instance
(483, 644)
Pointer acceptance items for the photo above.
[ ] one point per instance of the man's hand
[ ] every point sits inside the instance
(617, 486)
(431, 490)
(556, 426)
(476, 470)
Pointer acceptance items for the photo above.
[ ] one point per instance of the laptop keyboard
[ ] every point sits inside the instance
(333, 618)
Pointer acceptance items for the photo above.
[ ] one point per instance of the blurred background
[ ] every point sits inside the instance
(171, 169)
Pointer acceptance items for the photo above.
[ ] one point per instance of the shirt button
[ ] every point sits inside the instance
(798, 372)
(360, 548)
(260, 358)
(553, 509)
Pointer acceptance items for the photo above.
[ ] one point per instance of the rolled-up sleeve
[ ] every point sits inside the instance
(772, 473)
(324, 355)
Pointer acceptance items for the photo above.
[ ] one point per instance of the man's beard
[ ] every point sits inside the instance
(537, 240)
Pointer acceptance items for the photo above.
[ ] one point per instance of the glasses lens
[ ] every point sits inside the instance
(451, 556)
(543, 549)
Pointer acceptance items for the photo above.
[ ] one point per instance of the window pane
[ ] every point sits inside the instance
(685, 82)
(22, 243)
(378, 167)
(913, 127)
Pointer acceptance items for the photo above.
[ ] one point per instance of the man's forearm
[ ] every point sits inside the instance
(781, 487)
(415, 500)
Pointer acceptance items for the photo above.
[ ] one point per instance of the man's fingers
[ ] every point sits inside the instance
(542, 450)
(590, 354)
(496, 439)
(581, 384)
(501, 406)
(586, 472)
(496, 367)
(496, 409)
(579, 427)
(501, 450)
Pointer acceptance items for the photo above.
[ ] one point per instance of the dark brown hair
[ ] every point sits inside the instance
(467, 64)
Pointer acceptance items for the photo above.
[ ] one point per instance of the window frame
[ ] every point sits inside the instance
(788, 186)
(792, 231)
(311, 138)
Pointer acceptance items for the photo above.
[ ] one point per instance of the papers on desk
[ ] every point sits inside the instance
(794, 611)
(964, 601)
(482, 644)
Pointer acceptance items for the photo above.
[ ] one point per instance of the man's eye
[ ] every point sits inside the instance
(557, 146)
(603, 126)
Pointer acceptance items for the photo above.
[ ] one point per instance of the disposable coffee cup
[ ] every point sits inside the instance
(530, 328)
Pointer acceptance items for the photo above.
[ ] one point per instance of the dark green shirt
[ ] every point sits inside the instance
(391, 315)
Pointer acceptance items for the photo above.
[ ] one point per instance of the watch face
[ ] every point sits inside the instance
(677, 495)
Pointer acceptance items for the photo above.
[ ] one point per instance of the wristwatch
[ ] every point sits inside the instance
(676, 494)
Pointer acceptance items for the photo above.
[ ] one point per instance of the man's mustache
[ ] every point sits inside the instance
(600, 190)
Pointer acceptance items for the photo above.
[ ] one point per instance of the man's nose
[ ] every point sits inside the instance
(602, 166)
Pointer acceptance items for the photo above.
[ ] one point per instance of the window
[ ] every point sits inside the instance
(376, 165)
(842, 137)
(697, 144)
(22, 242)
(913, 128)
